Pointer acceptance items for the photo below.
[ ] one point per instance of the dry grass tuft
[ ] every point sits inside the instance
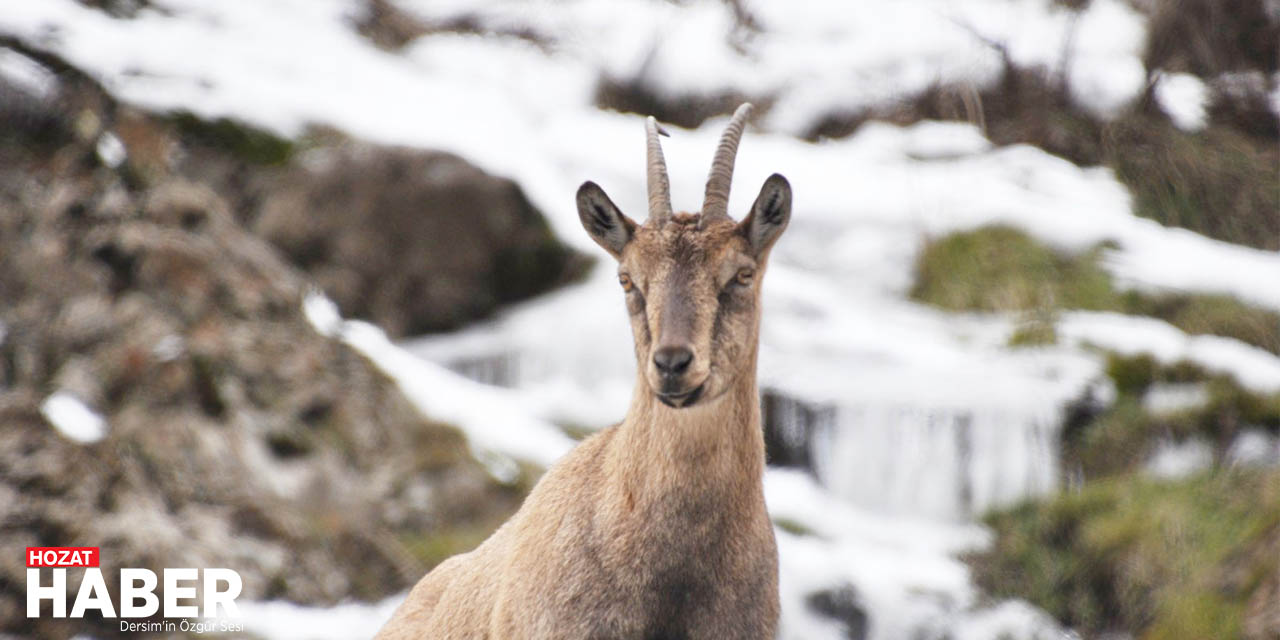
(1211, 37)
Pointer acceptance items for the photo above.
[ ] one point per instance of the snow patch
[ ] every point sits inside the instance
(1011, 619)
(1172, 398)
(73, 418)
(111, 150)
(27, 74)
(1251, 366)
(281, 620)
(1254, 447)
(904, 570)
(1185, 98)
(322, 313)
(498, 428)
(1173, 460)
(1104, 52)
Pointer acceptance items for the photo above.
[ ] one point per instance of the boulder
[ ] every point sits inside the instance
(415, 241)
(842, 604)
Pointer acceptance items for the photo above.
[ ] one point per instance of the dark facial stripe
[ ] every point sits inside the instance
(679, 312)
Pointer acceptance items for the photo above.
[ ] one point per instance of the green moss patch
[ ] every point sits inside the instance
(244, 141)
(1001, 269)
(1130, 554)
(1119, 438)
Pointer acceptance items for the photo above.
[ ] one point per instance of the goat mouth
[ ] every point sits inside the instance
(680, 400)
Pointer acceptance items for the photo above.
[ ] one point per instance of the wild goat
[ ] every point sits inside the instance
(656, 527)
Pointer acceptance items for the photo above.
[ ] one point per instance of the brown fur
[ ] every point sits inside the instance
(656, 527)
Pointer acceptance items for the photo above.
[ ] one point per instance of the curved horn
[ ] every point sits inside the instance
(716, 201)
(659, 183)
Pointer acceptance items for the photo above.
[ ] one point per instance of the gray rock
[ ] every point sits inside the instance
(843, 604)
(415, 241)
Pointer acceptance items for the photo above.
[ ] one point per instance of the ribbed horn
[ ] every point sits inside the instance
(659, 183)
(716, 201)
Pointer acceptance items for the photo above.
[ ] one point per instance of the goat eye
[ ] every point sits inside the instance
(744, 275)
(625, 281)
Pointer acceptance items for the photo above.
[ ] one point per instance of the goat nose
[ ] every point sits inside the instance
(672, 361)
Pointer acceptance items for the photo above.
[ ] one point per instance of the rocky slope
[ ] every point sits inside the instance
(133, 285)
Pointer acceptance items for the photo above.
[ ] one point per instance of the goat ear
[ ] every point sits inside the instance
(602, 219)
(769, 215)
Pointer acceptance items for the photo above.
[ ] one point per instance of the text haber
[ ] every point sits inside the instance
(137, 587)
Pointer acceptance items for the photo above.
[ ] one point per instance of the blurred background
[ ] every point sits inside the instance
(297, 288)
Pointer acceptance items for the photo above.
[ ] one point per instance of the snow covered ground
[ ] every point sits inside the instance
(921, 419)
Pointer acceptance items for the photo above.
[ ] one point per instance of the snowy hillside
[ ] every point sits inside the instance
(919, 420)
